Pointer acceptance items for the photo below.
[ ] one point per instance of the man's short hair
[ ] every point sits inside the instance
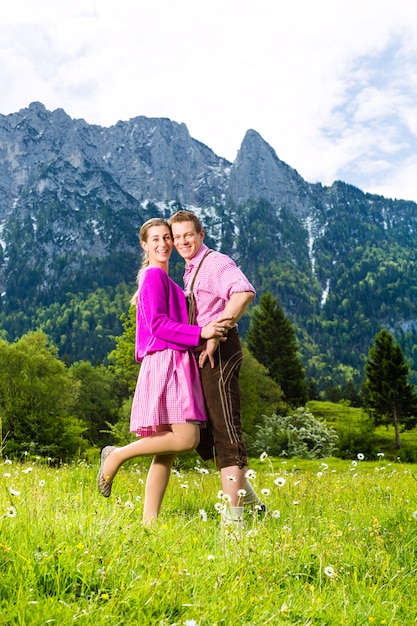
(186, 216)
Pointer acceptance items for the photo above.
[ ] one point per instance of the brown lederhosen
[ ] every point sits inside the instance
(223, 438)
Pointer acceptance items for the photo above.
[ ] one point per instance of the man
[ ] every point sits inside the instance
(220, 289)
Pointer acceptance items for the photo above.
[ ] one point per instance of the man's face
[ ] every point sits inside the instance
(187, 241)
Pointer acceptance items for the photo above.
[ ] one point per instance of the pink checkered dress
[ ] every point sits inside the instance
(168, 391)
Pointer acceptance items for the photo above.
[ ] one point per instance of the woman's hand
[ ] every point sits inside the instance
(208, 351)
(216, 329)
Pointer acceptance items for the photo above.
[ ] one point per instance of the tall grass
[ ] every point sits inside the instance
(337, 546)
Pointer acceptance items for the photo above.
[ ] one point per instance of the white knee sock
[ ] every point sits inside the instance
(251, 496)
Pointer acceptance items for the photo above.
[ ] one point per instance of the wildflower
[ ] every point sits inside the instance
(27, 470)
(41, 483)
(319, 474)
(220, 494)
(296, 503)
(415, 515)
(329, 571)
(203, 515)
(14, 492)
(232, 478)
(105, 596)
(129, 505)
(263, 456)
(6, 475)
(226, 497)
(250, 474)
(80, 546)
(219, 507)
(380, 454)
(276, 514)
(7, 462)
(241, 493)
(265, 492)
(11, 512)
(280, 481)
(202, 470)
(176, 472)
(360, 456)
(184, 486)
(325, 466)
(190, 622)
(354, 463)
(210, 557)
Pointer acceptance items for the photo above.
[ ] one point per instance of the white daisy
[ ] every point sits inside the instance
(11, 512)
(280, 481)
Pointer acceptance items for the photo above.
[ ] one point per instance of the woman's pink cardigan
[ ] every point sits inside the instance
(162, 317)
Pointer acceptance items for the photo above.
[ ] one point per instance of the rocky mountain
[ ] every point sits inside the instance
(73, 196)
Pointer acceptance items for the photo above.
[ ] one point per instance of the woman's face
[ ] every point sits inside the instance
(158, 245)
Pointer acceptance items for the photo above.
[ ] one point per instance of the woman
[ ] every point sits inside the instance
(168, 407)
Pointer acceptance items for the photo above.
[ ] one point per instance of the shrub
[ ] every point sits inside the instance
(298, 435)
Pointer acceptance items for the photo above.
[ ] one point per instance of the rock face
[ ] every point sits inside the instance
(145, 158)
(258, 173)
(148, 159)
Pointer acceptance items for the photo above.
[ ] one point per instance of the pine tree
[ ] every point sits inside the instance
(272, 341)
(388, 394)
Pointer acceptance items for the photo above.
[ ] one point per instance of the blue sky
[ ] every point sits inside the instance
(331, 85)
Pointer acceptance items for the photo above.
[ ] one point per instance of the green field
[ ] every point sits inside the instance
(338, 546)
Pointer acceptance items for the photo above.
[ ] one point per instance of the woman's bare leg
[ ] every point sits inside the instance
(180, 438)
(156, 484)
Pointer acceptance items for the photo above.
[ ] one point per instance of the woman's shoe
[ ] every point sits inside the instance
(104, 487)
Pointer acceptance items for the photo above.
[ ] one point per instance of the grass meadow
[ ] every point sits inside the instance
(337, 546)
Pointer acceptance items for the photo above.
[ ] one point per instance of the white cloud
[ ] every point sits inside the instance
(331, 86)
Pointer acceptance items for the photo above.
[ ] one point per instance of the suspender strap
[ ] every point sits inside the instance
(190, 295)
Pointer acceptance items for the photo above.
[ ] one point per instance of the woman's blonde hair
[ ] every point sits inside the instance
(143, 236)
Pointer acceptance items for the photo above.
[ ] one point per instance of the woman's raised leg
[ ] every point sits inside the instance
(179, 438)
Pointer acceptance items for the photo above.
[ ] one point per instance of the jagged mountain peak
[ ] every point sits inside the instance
(258, 173)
